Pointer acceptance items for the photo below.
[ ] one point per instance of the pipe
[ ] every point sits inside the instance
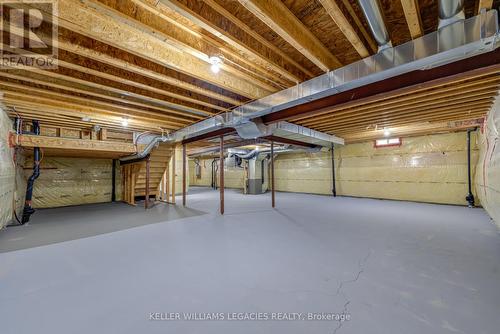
(113, 181)
(213, 175)
(450, 11)
(373, 14)
(184, 175)
(28, 209)
(470, 197)
(334, 188)
(273, 199)
(146, 151)
(146, 194)
(221, 185)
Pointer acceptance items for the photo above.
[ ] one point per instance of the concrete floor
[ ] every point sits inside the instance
(393, 267)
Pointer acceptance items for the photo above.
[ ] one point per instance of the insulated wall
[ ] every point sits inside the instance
(12, 181)
(233, 175)
(427, 169)
(7, 170)
(488, 168)
(72, 181)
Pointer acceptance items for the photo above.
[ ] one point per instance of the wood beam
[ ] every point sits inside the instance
(432, 95)
(61, 85)
(407, 82)
(104, 24)
(281, 20)
(413, 19)
(250, 31)
(367, 35)
(486, 4)
(80, 145)
(61, 74)
(247, 66)
(288, 141)
(224, 40)
(351, 115)
(345, 26)
(121, 63)
(12, 98)
(209, 135)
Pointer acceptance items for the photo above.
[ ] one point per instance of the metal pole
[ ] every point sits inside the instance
(184, 174)
(173, 175)
(113, 180)
(221, 171)
(146, 198)
(272, 175)
(334, 188)
(470, 196)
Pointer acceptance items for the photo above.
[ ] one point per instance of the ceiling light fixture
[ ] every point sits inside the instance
(125, 121)
(86, 118)
(387, 132)
(216, 62)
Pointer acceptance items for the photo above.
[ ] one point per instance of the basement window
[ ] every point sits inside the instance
(387, 142)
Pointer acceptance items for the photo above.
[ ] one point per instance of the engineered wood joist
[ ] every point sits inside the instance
(102, 23)
(279, 18)
(333, 9)
(213, 25)
(71, 144)
(412, 15)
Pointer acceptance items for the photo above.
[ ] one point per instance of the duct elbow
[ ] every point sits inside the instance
(450, 11)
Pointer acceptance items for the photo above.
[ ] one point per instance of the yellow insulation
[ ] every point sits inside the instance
(427, 168)
(233, 176)
(488, 168)
(7, 170)
(72, 181)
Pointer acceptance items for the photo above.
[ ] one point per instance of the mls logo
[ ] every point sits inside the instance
(28, 33)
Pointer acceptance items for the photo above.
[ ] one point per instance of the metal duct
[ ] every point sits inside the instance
(450, 11)
(147, 149)
(373, 14)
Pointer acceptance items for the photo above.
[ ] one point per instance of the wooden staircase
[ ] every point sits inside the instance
(135, 175)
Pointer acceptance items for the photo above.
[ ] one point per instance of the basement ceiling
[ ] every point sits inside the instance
(148, 61)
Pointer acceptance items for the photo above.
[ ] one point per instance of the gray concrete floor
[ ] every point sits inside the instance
(394, 267)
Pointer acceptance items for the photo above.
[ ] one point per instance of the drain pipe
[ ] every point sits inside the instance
(373, 14)
(470, 197)
(450, 11)
(334, 188)
(28, 209)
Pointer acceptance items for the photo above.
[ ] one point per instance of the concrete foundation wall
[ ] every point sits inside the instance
(426, 169)
(488, 169)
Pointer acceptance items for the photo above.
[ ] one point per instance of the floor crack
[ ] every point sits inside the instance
(361, 263)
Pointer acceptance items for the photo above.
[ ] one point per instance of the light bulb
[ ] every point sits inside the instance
(215, 68)
(124, 121)
(387, 133)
